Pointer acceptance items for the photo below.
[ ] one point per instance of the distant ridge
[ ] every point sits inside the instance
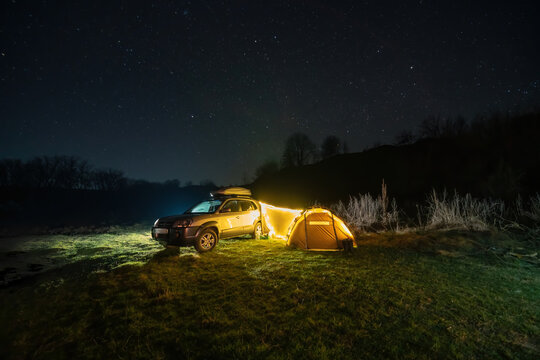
(498, 160)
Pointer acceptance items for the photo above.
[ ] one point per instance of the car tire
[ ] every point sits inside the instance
(206, 240)
(257, 231)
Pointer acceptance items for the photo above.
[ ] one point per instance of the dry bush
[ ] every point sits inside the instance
(362, 211)
(525, 221)
(534, 210)
(462, 212)
(442, 211)
(368, 213)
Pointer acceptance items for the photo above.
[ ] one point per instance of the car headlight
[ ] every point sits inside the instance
(183, 223)
(156, 222)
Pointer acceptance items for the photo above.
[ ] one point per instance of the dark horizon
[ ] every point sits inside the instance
(409, 137)
(210, 91)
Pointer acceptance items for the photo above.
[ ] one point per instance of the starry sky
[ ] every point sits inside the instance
(197, 90)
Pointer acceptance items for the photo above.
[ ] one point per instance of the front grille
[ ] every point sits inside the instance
(164, 224)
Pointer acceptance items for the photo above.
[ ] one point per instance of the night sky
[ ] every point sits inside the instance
(211, 89)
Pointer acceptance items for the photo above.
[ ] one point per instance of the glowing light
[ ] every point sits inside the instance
(345, 229)
(278, 220)
(281, 221)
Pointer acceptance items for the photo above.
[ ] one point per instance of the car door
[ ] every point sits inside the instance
(249, 215)
(229, 219)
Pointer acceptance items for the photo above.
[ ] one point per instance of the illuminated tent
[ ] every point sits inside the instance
(278, 220)
(319, 229)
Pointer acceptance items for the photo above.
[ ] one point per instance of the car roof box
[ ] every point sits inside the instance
(232, 191)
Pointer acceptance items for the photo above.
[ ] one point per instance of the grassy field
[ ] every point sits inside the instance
(396, 296)
(24, 256)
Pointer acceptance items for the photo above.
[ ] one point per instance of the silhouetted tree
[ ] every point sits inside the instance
(454, 127)
(430, 127)
(172, 183)
(206, 182)
(268, 168)
(331, 146)
(64, 172)
(108, 180)
(299, 150)
(404, 137)
(11, 172)
(435, 127)
(40, 173)
(70, 172)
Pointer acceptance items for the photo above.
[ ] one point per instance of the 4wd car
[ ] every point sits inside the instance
(223, 216)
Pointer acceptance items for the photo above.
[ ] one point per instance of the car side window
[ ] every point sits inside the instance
(248, 206)
(232, 205)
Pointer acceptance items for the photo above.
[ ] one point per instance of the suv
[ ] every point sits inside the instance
(205, 223)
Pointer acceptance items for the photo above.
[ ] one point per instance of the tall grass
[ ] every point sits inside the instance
(534, 210)
(462, 212)
(441, 211)
(367, 213)
(526, 221)
(362, 212)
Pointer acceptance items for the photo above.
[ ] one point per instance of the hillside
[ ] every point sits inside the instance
(495, 158)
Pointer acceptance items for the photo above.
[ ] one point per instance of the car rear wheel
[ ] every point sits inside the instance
(257, 231)
(206, 241)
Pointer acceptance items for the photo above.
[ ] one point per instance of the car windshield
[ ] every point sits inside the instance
(205, 207)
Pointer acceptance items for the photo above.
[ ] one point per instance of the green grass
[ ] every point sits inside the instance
(101, 251)
(258, 299)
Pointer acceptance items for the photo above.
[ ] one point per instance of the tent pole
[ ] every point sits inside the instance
(334, 226)
(305, 227)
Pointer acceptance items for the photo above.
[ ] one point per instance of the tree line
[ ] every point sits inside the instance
(494, 128)
(300, 150)
(481, 127)
(59, 172)
(73, 173)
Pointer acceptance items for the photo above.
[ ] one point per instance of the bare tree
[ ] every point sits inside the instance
(11, 172)
(331, 146)
(404, 137)
(206, 182)
(172, 183)
(108, 180)
(430, 127)
(65, 172)
(299, 150)
(454, 127)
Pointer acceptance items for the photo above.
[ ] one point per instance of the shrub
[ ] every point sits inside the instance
(368, 213)
(534, 212)
(361, 212)
(463, 212)
(526, 222)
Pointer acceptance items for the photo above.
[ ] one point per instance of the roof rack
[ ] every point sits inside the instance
(232, 191)
(218, 196)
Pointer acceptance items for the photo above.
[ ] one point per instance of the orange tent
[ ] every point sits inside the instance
(319, 229)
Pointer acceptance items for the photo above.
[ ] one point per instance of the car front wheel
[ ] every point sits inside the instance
(257, 232)
(206, 241)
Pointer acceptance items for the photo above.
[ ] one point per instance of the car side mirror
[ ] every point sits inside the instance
(225, 210)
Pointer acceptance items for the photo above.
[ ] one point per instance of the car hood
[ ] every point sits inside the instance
(172, 218)
(168, 220)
